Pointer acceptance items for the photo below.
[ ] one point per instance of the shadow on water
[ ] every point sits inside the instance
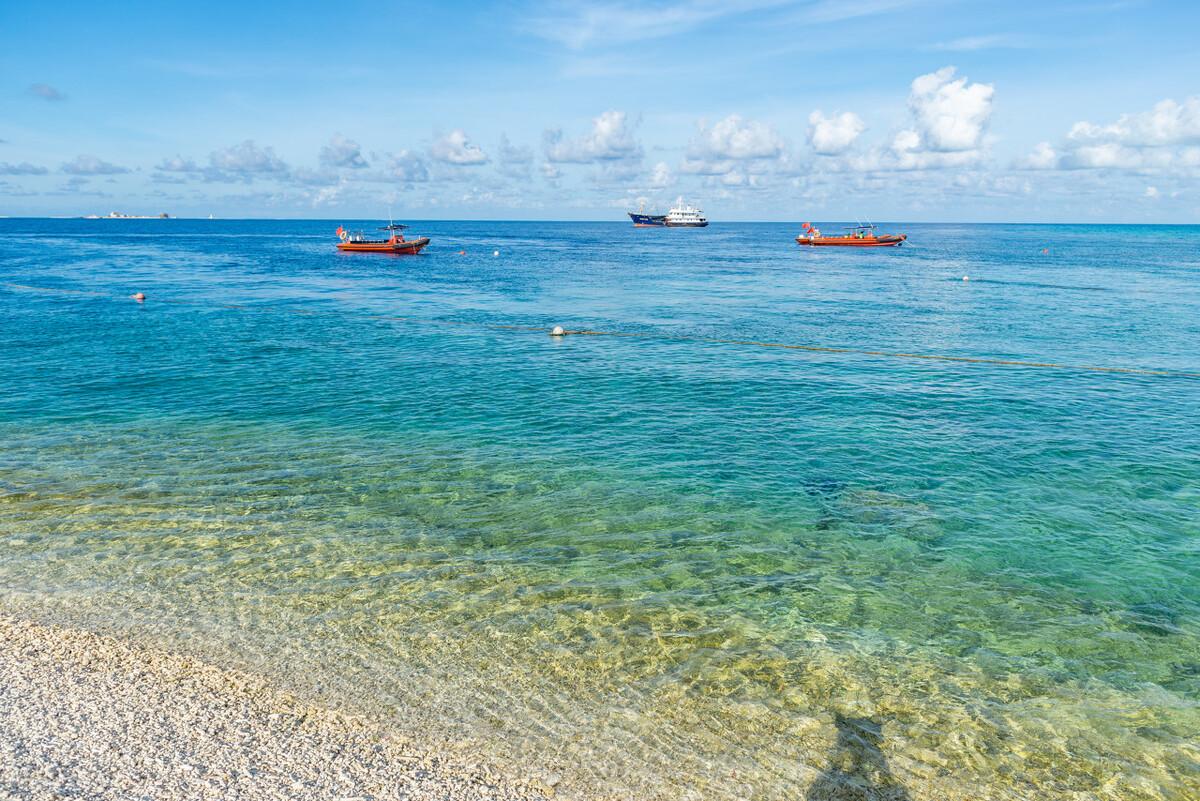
(857, 768)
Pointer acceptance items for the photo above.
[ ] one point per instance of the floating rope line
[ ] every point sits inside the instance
(930, 357)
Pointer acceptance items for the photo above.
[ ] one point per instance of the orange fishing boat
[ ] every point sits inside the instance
(396, 243)
(859, 236)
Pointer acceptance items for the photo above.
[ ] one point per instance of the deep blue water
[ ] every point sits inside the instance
(657, 562)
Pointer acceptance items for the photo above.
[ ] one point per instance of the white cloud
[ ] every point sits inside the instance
(1151, 192)
(661, 176)
(831, 136)
(737, 138)
(409, 167)
(1165, 136)
(950, 114)
(1043, 157)
(247, 159)
(611, 138)
(90, 165)
(742, 179)
(342, 152)
(1104, 155)
(177, 164)
(327, 195)
(1168, 123)
(948, 119)
(24, 168)
(456, 148)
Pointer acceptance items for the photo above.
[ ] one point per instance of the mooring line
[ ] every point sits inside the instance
(933, 357)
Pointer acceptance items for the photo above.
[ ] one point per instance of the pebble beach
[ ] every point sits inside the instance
(89, 716)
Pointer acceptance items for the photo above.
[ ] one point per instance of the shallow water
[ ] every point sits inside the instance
(658, 566)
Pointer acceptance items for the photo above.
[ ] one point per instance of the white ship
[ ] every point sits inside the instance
(685, 216)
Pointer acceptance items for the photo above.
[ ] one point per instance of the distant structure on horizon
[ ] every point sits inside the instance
(116, 215)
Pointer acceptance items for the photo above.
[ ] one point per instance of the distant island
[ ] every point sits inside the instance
(116, 215)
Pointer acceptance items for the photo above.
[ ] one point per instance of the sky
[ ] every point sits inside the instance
(912, 110)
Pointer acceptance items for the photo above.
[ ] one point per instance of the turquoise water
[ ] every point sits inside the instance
(659, 566)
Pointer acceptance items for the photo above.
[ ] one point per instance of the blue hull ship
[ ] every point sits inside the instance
(647, 220)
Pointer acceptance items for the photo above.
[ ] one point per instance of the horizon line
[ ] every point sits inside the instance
(144, 218)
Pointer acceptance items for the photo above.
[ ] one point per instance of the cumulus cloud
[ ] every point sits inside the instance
(831, 136)
(742, 179)
(342, 152)
(736, 138)
(951, 114)
(948, 122)
(1168, 123)
(243, 162)
(24, 168)
(409, 167)
(177, 164)
(610, 139)
(46, 92)
(456, 148)
(246, 160)
(1043, 157)
(660, 176)
(90, 165)
(1167, 135)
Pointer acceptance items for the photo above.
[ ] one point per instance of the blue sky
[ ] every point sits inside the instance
(753, 109)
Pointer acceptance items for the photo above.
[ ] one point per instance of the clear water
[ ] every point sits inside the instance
(663, 568)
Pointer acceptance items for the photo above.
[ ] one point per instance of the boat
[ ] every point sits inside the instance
(859, 236)
(396, 243)
(685, 216)
(643, 220)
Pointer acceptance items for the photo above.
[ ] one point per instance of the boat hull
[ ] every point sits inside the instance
(888, 240)
(687, 224)
(647, 220)
(409, 247)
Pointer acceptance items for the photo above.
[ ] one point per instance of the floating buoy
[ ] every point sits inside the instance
(556, 331)
(1045, 251)
(966, 278)
(138, 296)
(462, 252)
(495, 253)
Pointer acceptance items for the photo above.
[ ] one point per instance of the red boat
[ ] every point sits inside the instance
(395, 244)
(860, 236)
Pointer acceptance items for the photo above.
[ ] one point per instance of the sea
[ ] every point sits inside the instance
(754, 536)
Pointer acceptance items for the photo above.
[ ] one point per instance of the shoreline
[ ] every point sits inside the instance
(97, 716)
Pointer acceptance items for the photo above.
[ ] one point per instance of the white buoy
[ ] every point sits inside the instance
(495, 253)
(966, 278)
(557, 331)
